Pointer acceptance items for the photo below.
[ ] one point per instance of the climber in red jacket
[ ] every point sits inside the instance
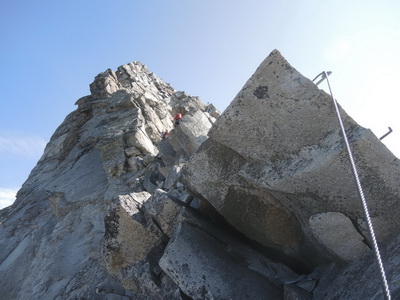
(165, 134)
(177, 119)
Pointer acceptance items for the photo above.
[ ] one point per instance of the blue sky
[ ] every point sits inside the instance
(52, 50)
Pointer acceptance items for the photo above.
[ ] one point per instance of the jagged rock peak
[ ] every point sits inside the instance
(125, 118)
(132, 76)
(90, 193)
(260, 206)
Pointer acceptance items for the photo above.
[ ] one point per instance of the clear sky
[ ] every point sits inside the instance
(51, 51)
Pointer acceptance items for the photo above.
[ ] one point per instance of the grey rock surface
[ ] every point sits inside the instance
(293, 292)
(336, 232)
(82, 225)
(255, 204)
(361, 279)
(208, 263)
(275, 158)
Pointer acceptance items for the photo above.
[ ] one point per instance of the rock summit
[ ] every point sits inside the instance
(258, 202)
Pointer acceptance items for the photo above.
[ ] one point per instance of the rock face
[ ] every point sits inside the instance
(256, 203)
(82, 225)
(336, 232)
(290, 166)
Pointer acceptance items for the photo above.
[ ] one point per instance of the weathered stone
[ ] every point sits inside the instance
(361, 279)
(213, 111)
(153, 179)
(113, 156)
(185, 104)
(203, 270)
(135, 164)
(141, 141)
(83, 202)
(190, 134)
(105, 84)
(126, 241)
(336, 232)
(132, 151)
(172, 175)
(167, 153)
(292, 292)
(308, 283)
(107, 214)
(280, 138)
(133, 202)
(163, 210)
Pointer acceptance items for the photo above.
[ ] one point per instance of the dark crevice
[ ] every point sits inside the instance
(184, 296)
(208, 211)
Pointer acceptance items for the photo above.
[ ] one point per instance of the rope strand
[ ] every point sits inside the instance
(362, 198)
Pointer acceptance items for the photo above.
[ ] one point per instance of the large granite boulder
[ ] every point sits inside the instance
(275, 158)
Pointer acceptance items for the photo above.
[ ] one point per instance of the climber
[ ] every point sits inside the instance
(165, 135)
(177, 119)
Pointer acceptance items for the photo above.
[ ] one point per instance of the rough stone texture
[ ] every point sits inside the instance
(107, 213)
(82, 226)
(209, 265)
(330, 228)
(275, 158)
(361, 279)
(163, 210)
(292, 292)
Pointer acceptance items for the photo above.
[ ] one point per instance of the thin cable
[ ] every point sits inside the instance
(362, 198)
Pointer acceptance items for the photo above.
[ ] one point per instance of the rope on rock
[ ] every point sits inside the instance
(361, 194)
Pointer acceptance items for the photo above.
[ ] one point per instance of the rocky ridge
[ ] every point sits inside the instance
(256, 203)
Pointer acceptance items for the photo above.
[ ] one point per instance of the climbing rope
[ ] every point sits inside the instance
(361, 194)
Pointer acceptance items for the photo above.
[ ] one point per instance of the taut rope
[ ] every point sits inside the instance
(361, 194)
